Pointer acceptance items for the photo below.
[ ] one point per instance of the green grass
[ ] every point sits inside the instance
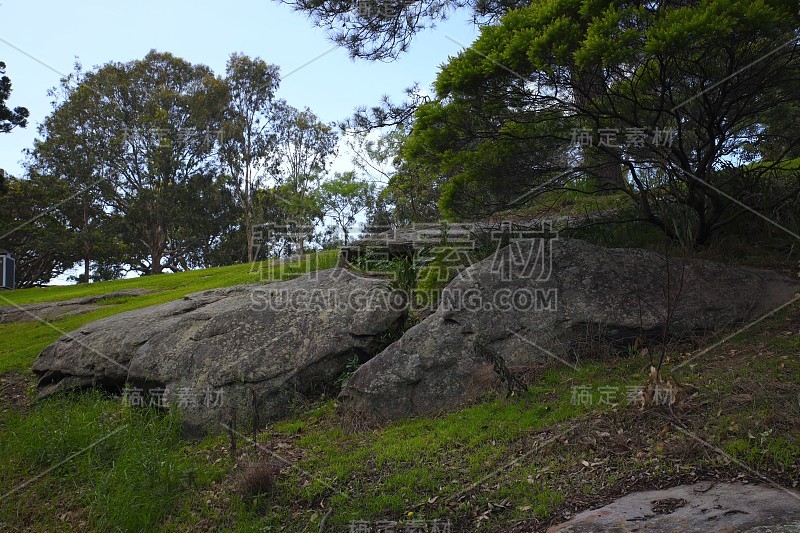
(140, 475)
(185, 282)
(87, 462)
(395, 469)
(22, 342)
(480, 461)
(110, 466)
(122, 468)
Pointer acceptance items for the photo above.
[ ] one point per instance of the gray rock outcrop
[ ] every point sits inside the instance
(225, 350)
(545, 301)
(695, 508)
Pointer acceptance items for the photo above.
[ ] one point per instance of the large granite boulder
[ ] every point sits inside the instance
(222, 351)
(545, 301)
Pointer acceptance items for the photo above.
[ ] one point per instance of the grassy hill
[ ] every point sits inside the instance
(574, 440)
(22, 342)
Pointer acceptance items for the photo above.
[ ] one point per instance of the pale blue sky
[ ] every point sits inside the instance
(35, 33)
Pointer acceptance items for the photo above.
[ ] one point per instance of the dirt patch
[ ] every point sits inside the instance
(15, 392)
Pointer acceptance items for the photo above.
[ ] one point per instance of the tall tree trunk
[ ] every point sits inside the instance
(248, 232)
(608, 174)
(87, 246)
(603, 162)
(86, 266)
(155, 265)
(156, 245)
(248, 224)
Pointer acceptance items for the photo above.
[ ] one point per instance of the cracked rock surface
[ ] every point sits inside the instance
(552, 301)
(224, 350)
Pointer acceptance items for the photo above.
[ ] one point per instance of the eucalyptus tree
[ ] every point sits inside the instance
(73, 148)
(344, 198)
(304, 146)
(143, 136)
(248, 133)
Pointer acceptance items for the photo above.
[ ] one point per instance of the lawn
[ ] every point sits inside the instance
(22, 342)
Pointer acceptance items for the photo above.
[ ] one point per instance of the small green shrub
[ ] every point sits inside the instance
(349, 370)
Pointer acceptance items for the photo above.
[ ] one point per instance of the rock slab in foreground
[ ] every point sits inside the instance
(723, 507)
(210, 352)
(549, 301)
(56, 310)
